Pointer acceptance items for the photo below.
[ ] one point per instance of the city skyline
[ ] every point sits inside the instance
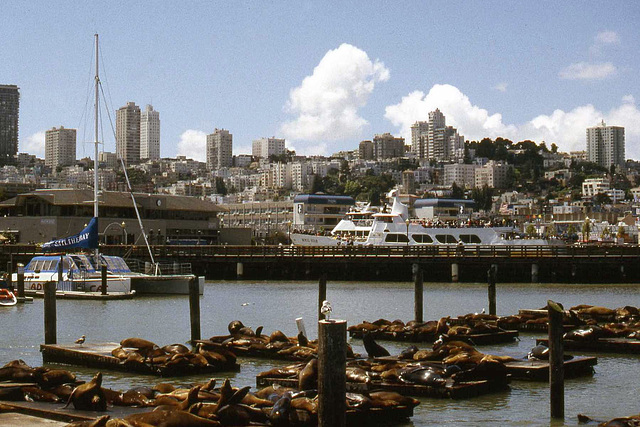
(543, 71)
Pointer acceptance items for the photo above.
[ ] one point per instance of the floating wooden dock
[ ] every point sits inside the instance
(462, 390)
(601, 345)
(538, 370)
(98, 355)
(476, 339)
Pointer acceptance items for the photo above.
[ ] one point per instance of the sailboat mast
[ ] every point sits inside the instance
(95, 151)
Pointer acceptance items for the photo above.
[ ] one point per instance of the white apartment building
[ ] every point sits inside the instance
(219, 149)
(419, 137)
(605, 145)
(128, 133)
(60, 147)
(300, 173)
(463, 175)
(149, 134)
(265, 147)
(593, 186)
(493, 174)
(108, 159)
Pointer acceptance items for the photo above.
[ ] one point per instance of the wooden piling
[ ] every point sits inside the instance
(239, 270)
(194, 308)
(50, 313)
(332, 381)
(20, 283)
(9, 274)
(418, 293)
(103, 270)
(491, 280)
(454, 272)
(322, 294)
(534, 273)
(556, 360)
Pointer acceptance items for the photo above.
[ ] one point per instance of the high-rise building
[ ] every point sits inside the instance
(149, 134)
(434, 140)
(419, 137)
(9, 112)
(265, 147)
(365, 150)
(387, 146)
(60, 147)
(128, 133)
(219, 149)
(605, 145)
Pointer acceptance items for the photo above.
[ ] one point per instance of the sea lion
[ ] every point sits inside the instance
(175, 348)
(308, 377)
(259, 331)
(170, 418)
(408, 352)
(98, 422)
(373, 348)
(278, 336)
(357, 375)
(89, 396)
(422, 376)
(384, 399)
(143, 346)
(540, 352)
(302, 340)
(56, 377)
(358, 401)
(36, 394)
(234, 327)
(279, 414)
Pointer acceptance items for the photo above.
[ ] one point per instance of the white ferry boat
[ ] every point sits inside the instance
(374, 228)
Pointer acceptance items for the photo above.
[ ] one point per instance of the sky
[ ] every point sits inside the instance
(326, 75)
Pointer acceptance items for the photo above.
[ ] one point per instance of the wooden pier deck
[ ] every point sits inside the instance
(538, 370)
(98, 355)
(602, 345)
(463, 390)
(477, 339)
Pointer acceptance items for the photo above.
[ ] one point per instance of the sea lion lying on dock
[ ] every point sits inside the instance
(89, 396)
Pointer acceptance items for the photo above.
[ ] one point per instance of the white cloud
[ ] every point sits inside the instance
(588, 71)
(602, 39)
(502, 87)
(566, 129)
(33, 144)
(193, 144)
(327, 102)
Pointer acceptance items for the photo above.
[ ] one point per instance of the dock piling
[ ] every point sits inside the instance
(20, 283)
(103, 271)
(239, 270)
(322, 294)
(194, 308)
(491, 279)
(556, 360)
(534, 273)
(418, 293)
(454, 272)
(332, 381)
(9, 273)
(50, 314)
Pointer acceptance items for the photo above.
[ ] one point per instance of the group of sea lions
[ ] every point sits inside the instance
(470, 324)
(175, 359)
(247, 342)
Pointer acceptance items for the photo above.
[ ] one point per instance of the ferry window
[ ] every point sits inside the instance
(469, 238)
(396, 238)
(445, 238)
(422, 238)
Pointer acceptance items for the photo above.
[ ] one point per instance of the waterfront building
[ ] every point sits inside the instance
(60, 147)
(9, 112)
(219, 149)
(386, 146)
(319, 212)
(264, 218)
(128, 133)
(265, 147)
(43, 215)
(605, 145)
(149, 134)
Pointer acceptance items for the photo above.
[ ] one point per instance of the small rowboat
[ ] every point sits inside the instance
(7, 297)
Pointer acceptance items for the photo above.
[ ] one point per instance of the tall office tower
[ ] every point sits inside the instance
(386, 146)
(219, 149)
(128, 133)
(419, 137)
(605, 145)
(60, 147)
(149, 134)
(9, 111)
(265, 147)
(443, 142)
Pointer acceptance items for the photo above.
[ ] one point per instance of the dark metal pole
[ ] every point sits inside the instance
(50, 313)
(491, 279)
(194, 308)
(322, 294)
(418, 293)
(103, 270)
(332, 362)
(20, 282)
(556, 359)
(10, 273)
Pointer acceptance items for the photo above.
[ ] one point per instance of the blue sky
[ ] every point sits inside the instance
(326, 76)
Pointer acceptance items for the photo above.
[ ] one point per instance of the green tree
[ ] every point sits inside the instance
(221, 187)
(456, 192)
(601, 199)
(586, 230)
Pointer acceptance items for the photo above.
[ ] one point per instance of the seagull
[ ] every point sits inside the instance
(326, 309)
(81, 340)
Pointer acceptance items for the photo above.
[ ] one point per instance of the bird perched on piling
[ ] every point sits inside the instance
(326, 309)
(81, 340)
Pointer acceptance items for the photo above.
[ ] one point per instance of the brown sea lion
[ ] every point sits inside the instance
(278, 336)
(36, 394)
(98, 422)
(308, 378)
(234, 327)
(373, 348)
(170, 418)
(391, 398)
(89, 396)
(175, 348)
